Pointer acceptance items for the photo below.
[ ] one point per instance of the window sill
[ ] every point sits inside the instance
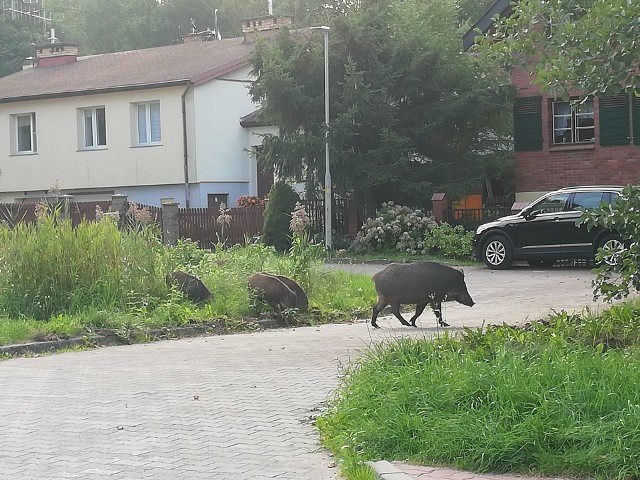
(572, 147)
(92, 149)
(146, 145)
(23, 154)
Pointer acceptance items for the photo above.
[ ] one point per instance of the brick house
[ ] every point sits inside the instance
(558, 143)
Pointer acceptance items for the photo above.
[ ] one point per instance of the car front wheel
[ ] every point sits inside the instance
(497, 253)
(614, 244)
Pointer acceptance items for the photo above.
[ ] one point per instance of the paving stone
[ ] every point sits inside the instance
(230, 408)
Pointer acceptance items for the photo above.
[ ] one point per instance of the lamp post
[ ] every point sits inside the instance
(327, 173)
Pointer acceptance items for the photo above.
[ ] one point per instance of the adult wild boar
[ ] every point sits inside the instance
(419, 283)
(192, 287)
(278, 291)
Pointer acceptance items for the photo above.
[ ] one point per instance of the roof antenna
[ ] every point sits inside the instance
(270, 4)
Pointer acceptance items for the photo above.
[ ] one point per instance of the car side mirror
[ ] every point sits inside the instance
(529, 214)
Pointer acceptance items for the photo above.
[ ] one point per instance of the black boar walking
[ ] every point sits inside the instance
(419, 283)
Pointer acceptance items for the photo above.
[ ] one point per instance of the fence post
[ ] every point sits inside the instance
(119, 204)
(440, 207)
(170, 223)
(353, 223)
(64, 202)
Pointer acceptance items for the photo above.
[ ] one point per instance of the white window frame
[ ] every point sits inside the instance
(91, 140)
(146, 131)
(570, 121)
(16, 144)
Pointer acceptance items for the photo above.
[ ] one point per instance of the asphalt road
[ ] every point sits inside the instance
(227, 408)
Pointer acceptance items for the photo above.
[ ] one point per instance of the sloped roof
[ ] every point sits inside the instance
(195, 62)
(485, 22)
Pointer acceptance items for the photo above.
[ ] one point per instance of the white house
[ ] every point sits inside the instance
(151, 124)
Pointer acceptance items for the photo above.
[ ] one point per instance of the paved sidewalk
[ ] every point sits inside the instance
(234, 407)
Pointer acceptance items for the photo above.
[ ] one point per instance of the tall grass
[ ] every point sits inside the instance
(558, 399)
(50, 267)
(58, 280)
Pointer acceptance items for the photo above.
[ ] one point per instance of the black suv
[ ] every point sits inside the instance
(547, 230)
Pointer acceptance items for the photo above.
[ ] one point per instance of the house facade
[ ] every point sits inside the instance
(567, 142)
(155, 124)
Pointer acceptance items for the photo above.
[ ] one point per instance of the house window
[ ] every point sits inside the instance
(147, 117)
(573, 122)
(93, 127)
(23, 133)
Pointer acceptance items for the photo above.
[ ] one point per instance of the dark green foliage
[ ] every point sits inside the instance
(588, 46)
(621, 271)
(409, 114)
(277, 215)
(15, 44)
(449, 241)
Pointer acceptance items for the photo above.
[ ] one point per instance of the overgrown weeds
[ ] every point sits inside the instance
(555, 398)
(60, 281)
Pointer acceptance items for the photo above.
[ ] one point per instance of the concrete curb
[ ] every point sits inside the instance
(111, 340)
(387, 471)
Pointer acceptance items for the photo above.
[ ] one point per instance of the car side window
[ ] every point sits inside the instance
(551, 204)
(584, 200)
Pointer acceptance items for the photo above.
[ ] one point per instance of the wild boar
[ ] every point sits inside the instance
(422, 284)
(277, 291)
(191, 286)
(302, 302)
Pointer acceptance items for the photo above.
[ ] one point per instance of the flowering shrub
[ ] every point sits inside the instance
(396, 228)
(250, 201)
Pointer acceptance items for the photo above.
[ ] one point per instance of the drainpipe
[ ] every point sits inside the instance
(185, 145)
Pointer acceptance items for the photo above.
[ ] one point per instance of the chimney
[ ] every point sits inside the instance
(56, 54)
(265, 26)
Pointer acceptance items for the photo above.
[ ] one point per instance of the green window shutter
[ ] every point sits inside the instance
(614, 120)
(527, 123)
(636, 120)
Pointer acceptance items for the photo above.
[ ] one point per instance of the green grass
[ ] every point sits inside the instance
(561, 399)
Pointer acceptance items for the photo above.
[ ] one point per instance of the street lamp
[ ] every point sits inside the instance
(327, 173)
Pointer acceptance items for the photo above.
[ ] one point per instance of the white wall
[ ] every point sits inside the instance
(118, 165)
(220, 155)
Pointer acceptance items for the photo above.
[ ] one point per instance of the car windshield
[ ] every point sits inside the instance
(550, 204)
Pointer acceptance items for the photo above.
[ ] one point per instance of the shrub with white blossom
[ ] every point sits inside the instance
(395, 228)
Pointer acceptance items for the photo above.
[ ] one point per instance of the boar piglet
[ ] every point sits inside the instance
(419, 283)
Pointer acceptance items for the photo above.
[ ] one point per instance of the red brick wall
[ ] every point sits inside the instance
(562, 166)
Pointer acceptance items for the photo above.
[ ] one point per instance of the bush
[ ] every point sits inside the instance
(450, 242)
(396, 228)
(618, 270)
(277, 215)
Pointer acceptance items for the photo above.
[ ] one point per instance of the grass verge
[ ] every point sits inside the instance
(557, 398)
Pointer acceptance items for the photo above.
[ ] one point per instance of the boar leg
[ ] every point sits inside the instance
(436, 305)
(419, 309)
(377, 308)
(395, 309)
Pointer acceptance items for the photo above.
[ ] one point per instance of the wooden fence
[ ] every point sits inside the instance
(201, 225)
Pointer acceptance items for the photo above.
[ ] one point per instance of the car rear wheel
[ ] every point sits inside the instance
(497, 253)
(613, 243)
